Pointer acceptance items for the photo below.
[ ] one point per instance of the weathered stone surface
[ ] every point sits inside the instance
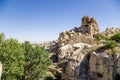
(103, 66)
(94, 66)
(75, 67)
(69, 50)
(76, 62)
(72, 38)
(100, 67)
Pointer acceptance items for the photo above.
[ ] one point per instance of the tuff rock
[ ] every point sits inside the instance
(85, 33)
(79, 57)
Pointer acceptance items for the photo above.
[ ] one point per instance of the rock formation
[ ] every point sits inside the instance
(84, 33)
(80, 60)
(110, 31)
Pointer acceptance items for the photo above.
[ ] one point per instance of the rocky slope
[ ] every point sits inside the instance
(81, 58)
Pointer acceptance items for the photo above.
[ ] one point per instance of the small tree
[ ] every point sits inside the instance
(101, 37)
(36, 62)
(28, 54)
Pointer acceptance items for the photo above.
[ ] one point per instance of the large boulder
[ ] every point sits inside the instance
(75, 66)
(65, 52)
(104, 67)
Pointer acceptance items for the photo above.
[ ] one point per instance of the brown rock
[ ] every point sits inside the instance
(89, 25)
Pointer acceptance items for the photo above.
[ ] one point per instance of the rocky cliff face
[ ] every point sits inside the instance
(77, 51)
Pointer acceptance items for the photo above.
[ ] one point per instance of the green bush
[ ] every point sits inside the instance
(116, 37)
(101, 37)
(110, 45)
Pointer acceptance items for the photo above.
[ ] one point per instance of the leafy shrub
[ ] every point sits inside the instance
(110, 45)
(116, 37)
(101, 37)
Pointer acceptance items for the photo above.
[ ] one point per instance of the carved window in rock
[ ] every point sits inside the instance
(87, 29)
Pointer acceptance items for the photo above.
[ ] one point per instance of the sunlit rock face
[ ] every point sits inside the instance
(104, 67)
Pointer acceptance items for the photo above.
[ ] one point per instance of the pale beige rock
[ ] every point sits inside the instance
(104, 68)
(73, 66)
(111, 31)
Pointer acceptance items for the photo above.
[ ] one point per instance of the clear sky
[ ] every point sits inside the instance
(43, 20)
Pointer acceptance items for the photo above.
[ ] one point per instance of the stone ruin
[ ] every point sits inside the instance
(89, 25)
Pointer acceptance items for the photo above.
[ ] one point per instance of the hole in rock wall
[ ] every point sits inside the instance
(99, 75)
(117, 77)
(86, 29)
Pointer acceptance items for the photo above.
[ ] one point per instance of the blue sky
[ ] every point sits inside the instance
(43, 20)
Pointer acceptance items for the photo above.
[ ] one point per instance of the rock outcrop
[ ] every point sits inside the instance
(83, 65)
(85, 33)
(104, 67)
(110, 31)
(79, 57)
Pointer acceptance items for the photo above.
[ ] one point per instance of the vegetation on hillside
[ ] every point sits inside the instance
(116, 37)
(109, 42)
